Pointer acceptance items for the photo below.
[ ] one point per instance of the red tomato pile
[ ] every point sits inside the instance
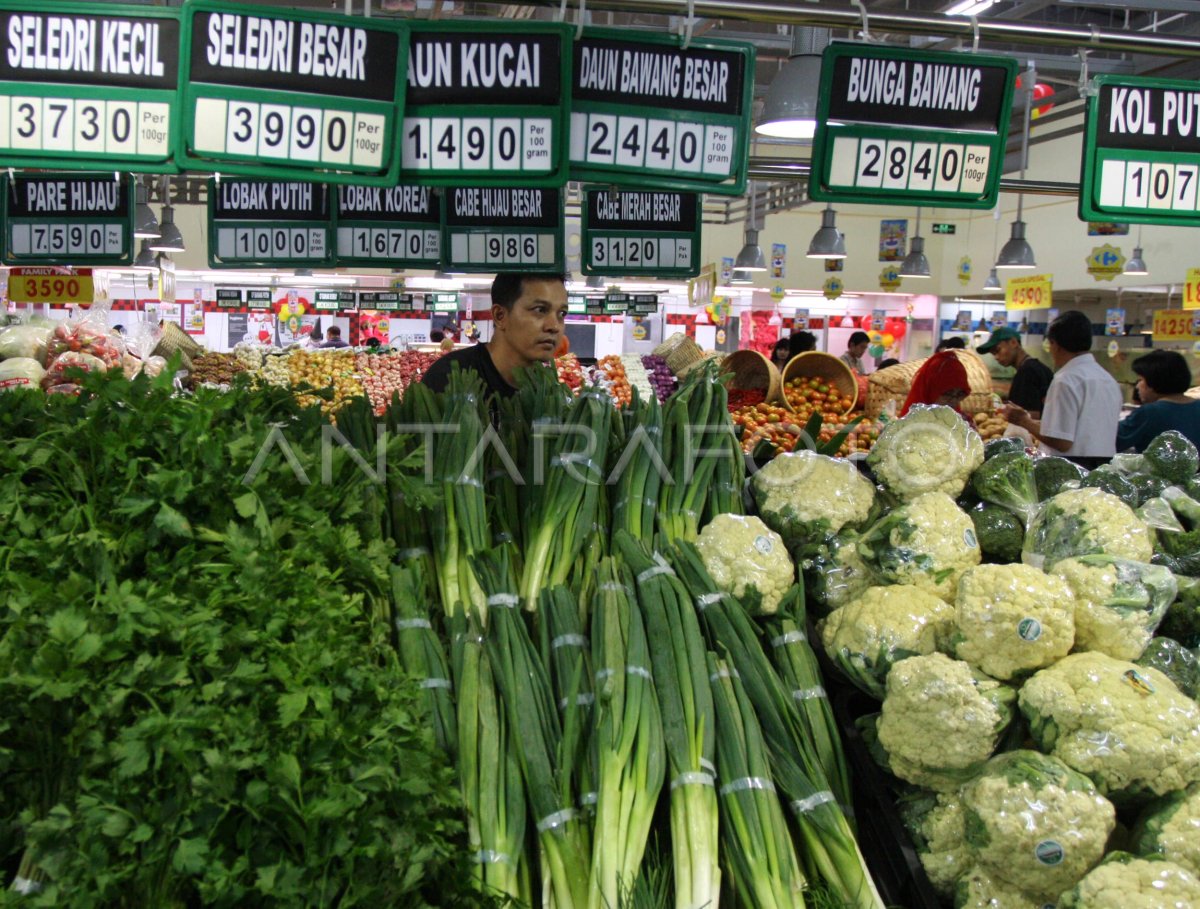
(745, 397)
(782, 428)
(814, 395)
(570, 373)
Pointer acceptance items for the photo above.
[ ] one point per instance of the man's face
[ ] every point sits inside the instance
(857, 350)
(1006, 352)
(532, 328)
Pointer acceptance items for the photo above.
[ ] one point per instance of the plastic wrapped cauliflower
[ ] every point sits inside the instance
(980, 889)
(936, 823)
(834, 574)
(941, 720)
(881, 626)
(1118, 603)
(928, 542)
(1123, 881)
(1126, 727)
(1085, 522)
(1170, 827)
(748, 560)
(1012, 619)
(1035, 823)
(804, 496)
(932, 449)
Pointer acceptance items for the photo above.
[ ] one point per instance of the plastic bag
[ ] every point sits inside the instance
(1176, 662)
(1085, 522)
(1170, 827)
(25, 342)
(935, 822)
(835, 574)
(89, 335)
(1035, 823)
(748, 560)
(140, 343)
(804, 496)
(20, 372)
(1118, 603)
(1157, 513)
(56, 374)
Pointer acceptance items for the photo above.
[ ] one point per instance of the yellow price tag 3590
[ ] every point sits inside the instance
(1028, 292)
(50, 288)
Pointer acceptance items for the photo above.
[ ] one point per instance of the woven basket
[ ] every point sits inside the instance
(894, 383)
(703, 358)
(824, 366)
(175, 339)
(751, 370)
(679, 351)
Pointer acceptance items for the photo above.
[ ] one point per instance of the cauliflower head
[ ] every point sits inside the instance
(1127, 727)
(869, 634)
(1035, 823)
(1170, 827)
(936, 823)
(928, 543)
(1126, 882)
(748, 560)
(1118, 603)
(1085, 522)
(803, 496)
(932, 449)
(1012, 619)
(940, 721)
(979, 889)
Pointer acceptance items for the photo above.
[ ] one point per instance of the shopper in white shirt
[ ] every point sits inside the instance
(1083, 406)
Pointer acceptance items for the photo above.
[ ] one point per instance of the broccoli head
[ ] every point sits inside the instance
(1007, 479)
(999, 531)
(1051, 475)
(1174, 661)
(1148, 485)
(1002, 446)
(1113, 482)
(1182, 621)
(1172, 456)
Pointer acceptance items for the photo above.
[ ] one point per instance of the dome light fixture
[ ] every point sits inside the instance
(828, 242)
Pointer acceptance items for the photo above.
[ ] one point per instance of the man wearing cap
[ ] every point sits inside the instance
(1033, 378)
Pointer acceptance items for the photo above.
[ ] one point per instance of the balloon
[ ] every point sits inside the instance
(888, 340)
(901, 329)
(875, 350)
(865, 322)
(1040, 90)
(875, 336)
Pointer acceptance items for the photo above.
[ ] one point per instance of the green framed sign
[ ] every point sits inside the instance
(445, 301)
(490, 229)
(259, 299)
(289, 94)
(385, 301)
(230, 298)
(68, 219)
(335, 301)
(911, 127)
(89, 86)
(1141, 152)
(636, 233)
(400, 226)
(487, 104)
(646, 112)
(269, 223)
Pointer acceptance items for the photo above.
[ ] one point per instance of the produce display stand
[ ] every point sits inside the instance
(815, 364)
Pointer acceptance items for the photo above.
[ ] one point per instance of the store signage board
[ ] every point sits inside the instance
(334, 301)
(385, 301)
(259, 299)
(442, 302)
(287, 94)
(576, 304)
(487, 104)
(230, 298)
(68, 219)
(394, 227)
(638, 233)
(265, 223)
(647, 112)
(1175, 325)
(89, 86)
(900, 126)
(1141, 152)
(489, 229)
(1028, 292)
(51, 285)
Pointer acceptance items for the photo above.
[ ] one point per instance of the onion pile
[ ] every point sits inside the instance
(662, 380)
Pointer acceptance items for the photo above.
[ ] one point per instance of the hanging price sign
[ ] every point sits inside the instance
(1141, 152)
(334, 300)
(492, 229)
(268, 223)
(288, 94)
(636, 233)
(396, 227)
(1175, 325)
(62, 219)
(647, 112)
(48, 285)
(1191, 289)
(88, 86)
(486, 104)
(1028, 292)
(914, 127)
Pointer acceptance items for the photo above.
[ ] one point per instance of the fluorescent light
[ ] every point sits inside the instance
(970, 7)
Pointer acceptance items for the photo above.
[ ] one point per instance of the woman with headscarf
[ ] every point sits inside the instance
(942, 380)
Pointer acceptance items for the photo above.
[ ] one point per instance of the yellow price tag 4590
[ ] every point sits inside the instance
(1028, 292)
(28, 286)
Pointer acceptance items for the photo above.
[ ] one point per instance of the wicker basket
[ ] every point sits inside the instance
(751, 370)
(705, 357)
(175, 339)
(824, 366)
(894, 383)
(679, 351)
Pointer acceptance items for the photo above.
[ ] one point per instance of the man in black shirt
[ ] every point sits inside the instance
(1033, 378)
(528, 317)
